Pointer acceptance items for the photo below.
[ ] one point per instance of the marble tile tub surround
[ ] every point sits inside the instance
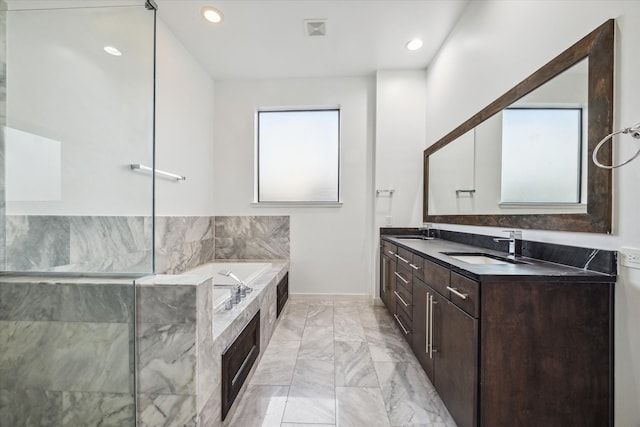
(599, 260)
(122, 244)
(181, 341)
(251, 237)
(66, 352)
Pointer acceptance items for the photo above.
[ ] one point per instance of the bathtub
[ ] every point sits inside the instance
(246, 271)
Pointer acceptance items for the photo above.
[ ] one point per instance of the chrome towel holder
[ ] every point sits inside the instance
(634, 131)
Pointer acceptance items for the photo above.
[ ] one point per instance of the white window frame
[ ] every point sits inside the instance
(256, 201)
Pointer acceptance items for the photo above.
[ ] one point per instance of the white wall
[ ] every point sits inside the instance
(61, 85)
(331, 246)
(400, 133)
(497, 44)
(184, 129)
(64, 87)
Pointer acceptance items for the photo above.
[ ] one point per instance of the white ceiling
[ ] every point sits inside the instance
(266, 38)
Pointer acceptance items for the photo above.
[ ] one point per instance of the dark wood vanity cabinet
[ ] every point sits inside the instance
(546, 354)
(387, 275)
(512, 351)
(237, 361)
(445, 342)
(282, 294)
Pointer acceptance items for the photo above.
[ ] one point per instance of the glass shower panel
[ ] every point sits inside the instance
(73, 214)
(79, 112)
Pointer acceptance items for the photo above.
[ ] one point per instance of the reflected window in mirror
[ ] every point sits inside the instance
(541, 155)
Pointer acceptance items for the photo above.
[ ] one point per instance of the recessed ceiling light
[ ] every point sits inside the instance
(414, 44)
(112, 51)
(212, 14)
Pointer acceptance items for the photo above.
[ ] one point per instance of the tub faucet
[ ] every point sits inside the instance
(244, 289)
(515, 242)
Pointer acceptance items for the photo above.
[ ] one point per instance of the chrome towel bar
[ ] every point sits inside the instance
(138, 166)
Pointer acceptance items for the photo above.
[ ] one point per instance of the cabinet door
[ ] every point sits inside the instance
(387, 282)
(456, 364)
(422, 295)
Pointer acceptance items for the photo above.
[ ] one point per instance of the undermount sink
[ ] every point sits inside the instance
(480, 258)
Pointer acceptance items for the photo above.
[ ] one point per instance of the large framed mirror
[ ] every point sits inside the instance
(524, 160)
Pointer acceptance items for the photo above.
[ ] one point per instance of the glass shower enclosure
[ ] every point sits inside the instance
(76, 219)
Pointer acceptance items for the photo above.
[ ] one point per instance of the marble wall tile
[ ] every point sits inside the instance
(65, 356)
(167, 359)
(34, 301)
(30, 408)
(97, 409)
(252, 237)
(36, 243)
(108, 303)
(167, 411)
(207, 379)
(173, 231)
(105, 237)
(166, 304)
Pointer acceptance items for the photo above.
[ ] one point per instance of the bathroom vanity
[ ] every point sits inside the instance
(505, 342)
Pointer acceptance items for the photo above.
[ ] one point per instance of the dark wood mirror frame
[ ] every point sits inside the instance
(598, 46)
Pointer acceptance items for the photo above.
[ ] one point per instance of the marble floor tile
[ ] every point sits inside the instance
(260, 406)
(317, 343)
(314, 374)
(310, 405)
(289, 329)
(306, 425)
(356, 371)
(347, 327)
(320, 315)
(376, 317)
(295, 309)
(277, 364)
(409, 397)
(354, 367)
(357, 406)
(388, 348)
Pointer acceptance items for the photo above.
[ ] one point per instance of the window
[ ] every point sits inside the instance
(298, 155)
(541, 155)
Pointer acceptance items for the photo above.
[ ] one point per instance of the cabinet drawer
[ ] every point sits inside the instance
(465, 294)
(403, 320)
(405, 257)
(418, 267)
(389, 249)
(437, 277)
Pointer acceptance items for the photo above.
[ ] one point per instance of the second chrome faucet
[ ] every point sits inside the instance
(515, 242)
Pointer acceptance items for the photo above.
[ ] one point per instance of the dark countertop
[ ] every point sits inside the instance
(530, 269)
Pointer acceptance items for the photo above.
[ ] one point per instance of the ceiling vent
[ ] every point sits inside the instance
(315, 27)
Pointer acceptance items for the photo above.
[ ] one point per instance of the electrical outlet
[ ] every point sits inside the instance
(388, 221)
(630, 257)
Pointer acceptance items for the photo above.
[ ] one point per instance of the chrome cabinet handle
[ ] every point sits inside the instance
(406, 332)
(415, 267)
(431, 346)
(391, 252)
(406, 282)
(457, 293)
(400, 258)
(400, 298)
(426, 328)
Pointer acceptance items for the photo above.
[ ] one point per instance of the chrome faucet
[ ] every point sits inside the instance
(244, 289)
(515, 242)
